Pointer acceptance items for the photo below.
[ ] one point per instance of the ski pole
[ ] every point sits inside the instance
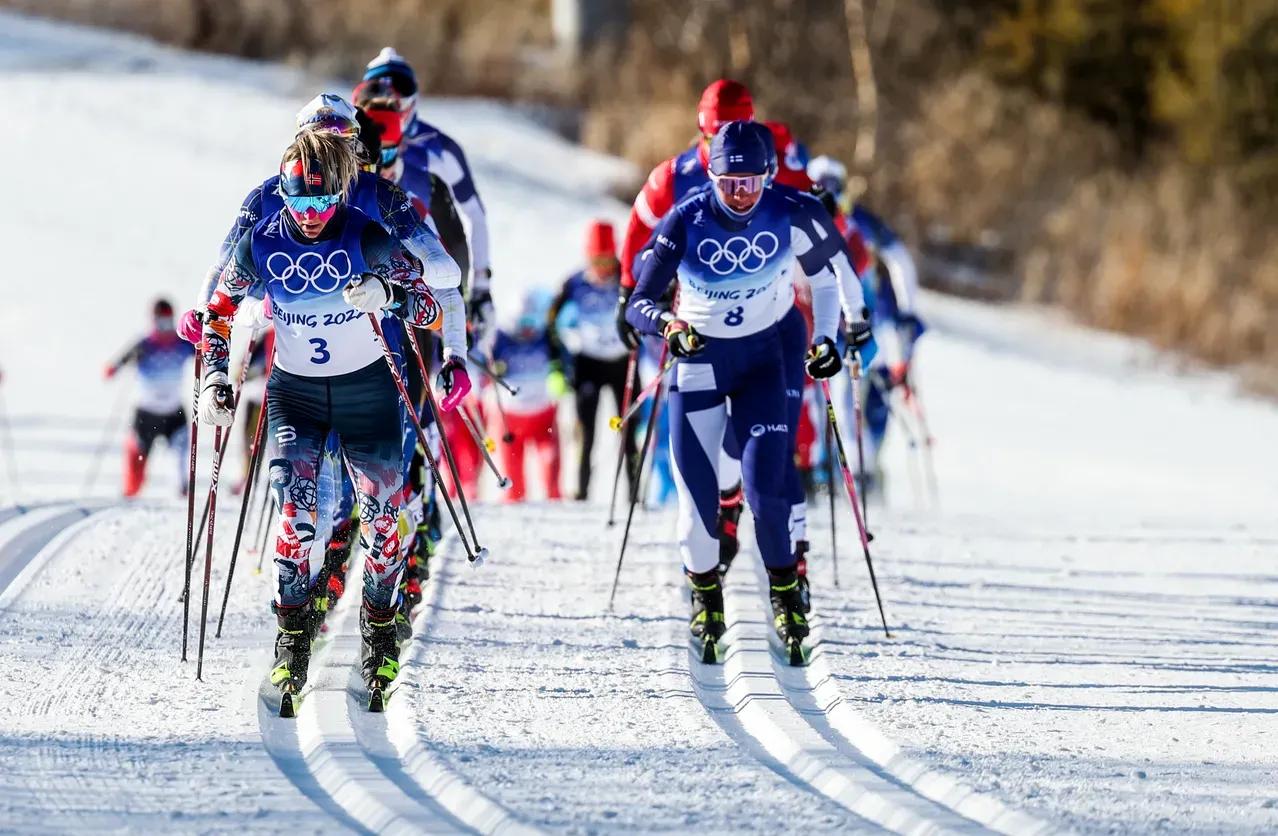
(619, 421)
(482, 443)
(492, 373)
(855, 371)
(443, 437)
(634, 493)
(915, 402)
(109, 430)
(190, 501)
(856, 508)
(632, 370)
(476, 557)
(829, 484)
(255, 464)
(218, 443)
(264, 519)
(220, 454)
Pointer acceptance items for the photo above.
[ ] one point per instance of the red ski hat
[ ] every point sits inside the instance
(723, 101)
(601, 240)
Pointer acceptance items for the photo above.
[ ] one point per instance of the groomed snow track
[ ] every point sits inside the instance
(375, 772)
(796, 720)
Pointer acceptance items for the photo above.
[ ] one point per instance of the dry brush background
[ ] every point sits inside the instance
(1122, 153)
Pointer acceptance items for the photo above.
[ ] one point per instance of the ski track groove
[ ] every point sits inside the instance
(814, 693)
(33, 537)
(374, 772)
(414, 763)
(746, 699)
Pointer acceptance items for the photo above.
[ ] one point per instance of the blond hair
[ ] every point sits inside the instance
(337, 163)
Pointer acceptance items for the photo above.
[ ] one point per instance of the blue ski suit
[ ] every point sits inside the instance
(734, 280)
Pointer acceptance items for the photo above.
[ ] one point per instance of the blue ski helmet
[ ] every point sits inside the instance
(742, 161)
(741, 148)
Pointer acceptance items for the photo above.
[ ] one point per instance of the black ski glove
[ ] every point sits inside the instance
(625, 330)
(858, 336)
(683, 339)
(823, 359)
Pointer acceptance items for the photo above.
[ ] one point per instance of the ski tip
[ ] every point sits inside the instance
(287, 709)
(376, 700)
(798, 654)
(479, 557)
(710, 652)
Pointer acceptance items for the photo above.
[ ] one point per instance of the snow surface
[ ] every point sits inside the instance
(1083, 632)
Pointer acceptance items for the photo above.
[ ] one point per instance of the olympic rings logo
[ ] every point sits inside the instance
(738, 253)
(325, 274)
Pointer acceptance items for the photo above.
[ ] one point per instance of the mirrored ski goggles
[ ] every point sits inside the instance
(739, 185)
(390, 155)
(320, 203)
(333, 124)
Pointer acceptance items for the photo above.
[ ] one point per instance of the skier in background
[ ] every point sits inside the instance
(892, 291)
(522, 354)
(428, 150)
(727, 338)
(161, 357)
(591, 350)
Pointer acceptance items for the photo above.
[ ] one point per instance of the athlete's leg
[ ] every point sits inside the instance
(369, 420)
(590, 380)
(697, 418)
(546, 441)
(759, 417)
(512, 457)
(297, 418)
(793, 332)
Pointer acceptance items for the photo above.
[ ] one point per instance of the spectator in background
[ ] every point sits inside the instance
(161, 357)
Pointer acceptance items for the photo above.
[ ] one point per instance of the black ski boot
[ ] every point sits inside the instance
(731, 503)
(292, 656)
(380, 655)
(801, 549)
(788, 616)
(707, 624)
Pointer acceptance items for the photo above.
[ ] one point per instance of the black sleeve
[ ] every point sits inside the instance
(449, 225)
(552, 319)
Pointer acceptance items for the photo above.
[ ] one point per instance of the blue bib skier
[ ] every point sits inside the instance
(731, 246)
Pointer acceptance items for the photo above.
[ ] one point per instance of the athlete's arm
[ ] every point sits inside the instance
(659, 270)
(438, 268)
(448, 223)
(823, 256)
(450, 164)
(237, 278)
(413, 298)
(250, 213)
(651, 204)
(552, 319)
(129, 356)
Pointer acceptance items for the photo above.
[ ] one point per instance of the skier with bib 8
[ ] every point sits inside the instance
(326, 265)
(730, 246)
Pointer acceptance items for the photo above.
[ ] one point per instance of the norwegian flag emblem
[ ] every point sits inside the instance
(313, 179)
